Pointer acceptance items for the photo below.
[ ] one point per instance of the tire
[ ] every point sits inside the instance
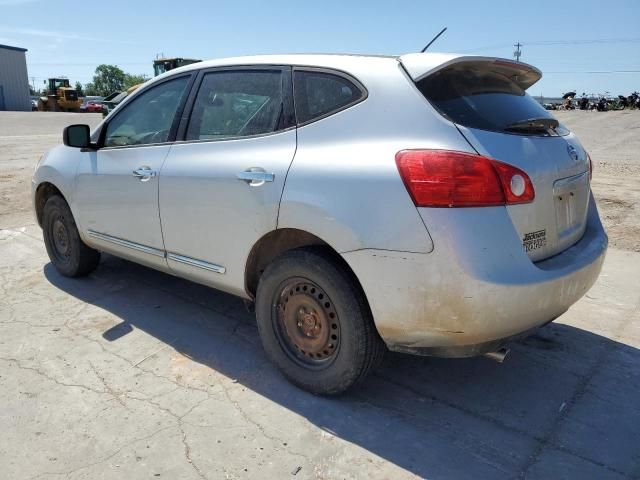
(315, 323)
(66, 250)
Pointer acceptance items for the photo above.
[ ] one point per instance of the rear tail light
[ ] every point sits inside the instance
(443, 178)
(590, 167)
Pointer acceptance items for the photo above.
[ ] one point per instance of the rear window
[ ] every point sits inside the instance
(476, 97)
(318, 94)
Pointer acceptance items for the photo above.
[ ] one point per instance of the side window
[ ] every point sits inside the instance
(319, 93)
(149, 117)
(233, 104)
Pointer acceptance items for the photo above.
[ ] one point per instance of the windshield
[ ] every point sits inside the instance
(474, 96)
(59, 83)
(158, 69)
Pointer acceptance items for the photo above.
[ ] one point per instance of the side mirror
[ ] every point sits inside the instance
(77, 136)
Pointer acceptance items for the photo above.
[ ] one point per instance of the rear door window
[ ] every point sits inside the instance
(232, 104)
(474, 96)
(318, 94)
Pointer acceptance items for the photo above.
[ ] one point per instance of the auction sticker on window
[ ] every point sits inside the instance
(534, 240)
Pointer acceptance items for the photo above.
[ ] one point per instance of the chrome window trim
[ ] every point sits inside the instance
(193, 262)
(126, 243)
(229, 139)
(123, 147)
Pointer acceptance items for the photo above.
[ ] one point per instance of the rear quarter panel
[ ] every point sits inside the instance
(343, 185)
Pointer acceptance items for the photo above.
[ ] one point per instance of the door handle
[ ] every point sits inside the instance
(255, 176)
(144, 173)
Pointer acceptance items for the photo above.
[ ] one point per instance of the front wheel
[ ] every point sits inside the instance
(67, 252)
(315, 323)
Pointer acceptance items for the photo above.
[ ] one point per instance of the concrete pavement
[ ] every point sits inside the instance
(131, 373)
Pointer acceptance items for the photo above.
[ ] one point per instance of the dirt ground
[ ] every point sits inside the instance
(24, 137)
(131, 373)
(613, 141)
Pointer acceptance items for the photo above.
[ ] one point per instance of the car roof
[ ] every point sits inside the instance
(418, 64)
(330, 60)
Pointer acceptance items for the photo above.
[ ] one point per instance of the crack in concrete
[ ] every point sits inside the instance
(118, 396)
(103, 459)
(187, 455)
(114, 394)
(40, 372)
(261, 429)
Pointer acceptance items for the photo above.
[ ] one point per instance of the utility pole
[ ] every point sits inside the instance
(33, 83)
(518, 53)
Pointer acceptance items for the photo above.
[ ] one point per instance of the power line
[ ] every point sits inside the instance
(557, 42)
(83, 64)
(585, 42)
(594, 71)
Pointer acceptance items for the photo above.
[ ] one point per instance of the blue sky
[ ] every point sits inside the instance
(568, 40)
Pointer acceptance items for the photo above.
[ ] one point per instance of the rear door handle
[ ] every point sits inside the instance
(144, 173)
(255, 176)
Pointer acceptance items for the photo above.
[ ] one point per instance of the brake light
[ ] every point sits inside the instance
(443, 178)
(590, 167)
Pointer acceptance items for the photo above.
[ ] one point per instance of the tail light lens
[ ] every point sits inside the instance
(443, 178)
(590, 167)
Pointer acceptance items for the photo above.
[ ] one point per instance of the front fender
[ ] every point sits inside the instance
(58, 167)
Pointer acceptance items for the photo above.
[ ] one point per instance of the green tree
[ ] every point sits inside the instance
(130, 80)
(107, 79)
(79, 89)
(90, 89)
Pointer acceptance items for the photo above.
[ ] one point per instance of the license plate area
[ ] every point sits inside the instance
(571, 200)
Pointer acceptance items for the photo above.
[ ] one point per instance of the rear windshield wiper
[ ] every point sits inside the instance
(532, 124)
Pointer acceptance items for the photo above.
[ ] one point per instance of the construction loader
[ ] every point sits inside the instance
(61, 97)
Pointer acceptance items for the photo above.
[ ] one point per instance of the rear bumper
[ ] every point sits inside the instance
(477, 288)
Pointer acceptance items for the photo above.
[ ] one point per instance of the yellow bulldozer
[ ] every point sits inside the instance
(162, 65)
(61, 97)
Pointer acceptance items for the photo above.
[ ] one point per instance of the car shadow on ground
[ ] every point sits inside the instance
(543, 413)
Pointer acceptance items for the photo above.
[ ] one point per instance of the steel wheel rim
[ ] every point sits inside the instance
(306, 323)
(60, 239)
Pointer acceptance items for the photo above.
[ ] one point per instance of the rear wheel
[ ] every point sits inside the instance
(66, 250)
(315, 324)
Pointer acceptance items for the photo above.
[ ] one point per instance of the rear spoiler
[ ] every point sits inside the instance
(421, 65)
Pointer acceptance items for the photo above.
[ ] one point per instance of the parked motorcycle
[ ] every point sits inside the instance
(583, 103)
(621, 103)
(602, 105)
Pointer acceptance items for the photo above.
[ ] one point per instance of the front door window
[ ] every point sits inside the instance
(147, 118)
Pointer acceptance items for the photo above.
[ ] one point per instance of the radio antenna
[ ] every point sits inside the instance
(434, 39)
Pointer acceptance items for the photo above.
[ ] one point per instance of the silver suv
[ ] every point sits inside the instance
(422, 203)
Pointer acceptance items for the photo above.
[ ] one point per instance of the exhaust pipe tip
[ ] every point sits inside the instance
(498, 355)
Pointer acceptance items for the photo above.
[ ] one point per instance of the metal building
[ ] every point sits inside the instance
(14, 82)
